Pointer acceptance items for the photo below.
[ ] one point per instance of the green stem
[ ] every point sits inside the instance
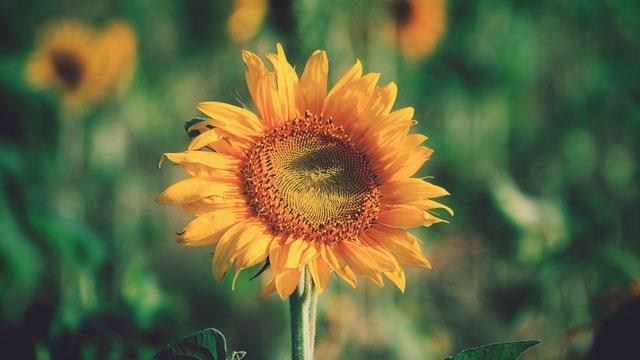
(302, 304)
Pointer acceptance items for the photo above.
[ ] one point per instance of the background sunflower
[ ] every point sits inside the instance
(532, 108)
(82, 63)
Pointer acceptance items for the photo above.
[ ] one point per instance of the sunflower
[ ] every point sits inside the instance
(82, 64)
(419, 25)
(248, 16)
(318, 181)
(119, 52)
(246, 19)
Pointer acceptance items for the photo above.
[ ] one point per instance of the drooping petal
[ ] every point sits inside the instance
(286, 282)
(338, 264)
(252, 253)
(236, 237)
(268, 289)
(296, 249)
(398, 278)
(376, 279)
(285, 279)
(208, 228)
(320, 273)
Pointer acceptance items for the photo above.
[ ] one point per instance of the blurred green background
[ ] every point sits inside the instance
(532, 107)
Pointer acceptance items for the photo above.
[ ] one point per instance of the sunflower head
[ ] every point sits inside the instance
(315, 180)
(419, 25)
(82, 64)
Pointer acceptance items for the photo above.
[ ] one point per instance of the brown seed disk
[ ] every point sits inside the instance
(307, 179)
(68, 68)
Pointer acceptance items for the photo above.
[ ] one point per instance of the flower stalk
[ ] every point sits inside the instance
(302, 305)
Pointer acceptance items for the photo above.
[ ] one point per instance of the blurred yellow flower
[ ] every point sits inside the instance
(419, 26)
(82, 64)
(246, 19)
(317, 180)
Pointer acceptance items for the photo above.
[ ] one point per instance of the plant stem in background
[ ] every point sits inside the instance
(302, 305)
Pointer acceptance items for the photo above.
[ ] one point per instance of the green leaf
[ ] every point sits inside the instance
(207, 344)
(498, 351)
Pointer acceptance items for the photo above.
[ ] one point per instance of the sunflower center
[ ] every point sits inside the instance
(68, 69)
(402, 11)
(307, 179)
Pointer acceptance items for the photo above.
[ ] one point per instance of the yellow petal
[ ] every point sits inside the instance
(255, 70)
(384, 259)
(193, 189)
(287, 81)
(357, 257)
(404, 246)
(391, 127)
(307, 255)
(320, 273)
(403, 216)
(208, 228)
(286, 282)
(252, 254)
(398, 278)
(409, 166)
(313, 82)
(430, 204)
(232, 118)
(285, 279)
(268, 289)
(414, 140)
(215, 203)
(347, 105)
(355, 72)
(380, 103)
(410, 189)
(267, 102)
(206, 158)
(233, 239)
(205, 139)
(377, 279)
(296, 249)
(332, 257)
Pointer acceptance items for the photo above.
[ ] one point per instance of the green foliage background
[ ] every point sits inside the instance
(533, 108)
